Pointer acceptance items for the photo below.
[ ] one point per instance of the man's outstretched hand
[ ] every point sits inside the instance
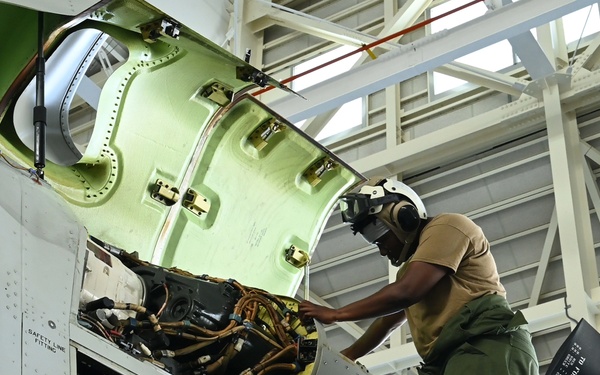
(323, 314)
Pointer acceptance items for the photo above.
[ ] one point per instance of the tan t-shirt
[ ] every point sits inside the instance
(455, 242)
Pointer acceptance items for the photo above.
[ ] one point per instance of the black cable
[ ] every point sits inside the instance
(567, 307)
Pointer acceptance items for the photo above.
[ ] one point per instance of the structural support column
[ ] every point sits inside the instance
(392, 115)
(392, 93)
(579, 263)
(244, 38)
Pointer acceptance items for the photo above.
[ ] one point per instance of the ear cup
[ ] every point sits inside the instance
(408, 218)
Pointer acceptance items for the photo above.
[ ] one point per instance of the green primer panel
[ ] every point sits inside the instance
(261, 202)
(147, 127)
(154, 123)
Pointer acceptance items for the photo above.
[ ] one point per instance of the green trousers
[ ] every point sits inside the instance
(485, 338)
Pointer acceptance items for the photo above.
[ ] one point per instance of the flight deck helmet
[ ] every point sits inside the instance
(371, 198)
(382, 205)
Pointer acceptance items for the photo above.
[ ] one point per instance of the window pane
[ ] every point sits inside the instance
(493, 58)
(350, 114)
(574, 23)
(457, 18)
(324, 73)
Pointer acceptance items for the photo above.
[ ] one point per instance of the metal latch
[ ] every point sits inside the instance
(307, 350)
(218, 93)
(196, 203)
(164, 193)
(251, 74)
(260, 136)
(296, 257)
(154, 30)
(315, 172)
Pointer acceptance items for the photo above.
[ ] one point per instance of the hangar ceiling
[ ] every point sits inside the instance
(514, 150)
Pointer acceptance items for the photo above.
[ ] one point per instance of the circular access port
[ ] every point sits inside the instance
(179, 308)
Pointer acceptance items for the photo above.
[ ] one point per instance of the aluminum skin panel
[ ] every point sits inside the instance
(41, 242)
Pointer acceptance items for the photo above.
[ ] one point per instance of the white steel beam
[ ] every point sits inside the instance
(532, 56)
(589, 59)
(518, 118)
(392, 93)
(352, 328)
(393, 111)
(452, 142)
(354, 288)
(577, 246)
(591, 154)
(208, 18)
(424, 55)
(89, 91)
(403, 18)
(261, 14)
(527, 48)
(396, 358)
(242, 38)
(344, 258)
(544, 260)
(392, 115)
(559, 44)
(492, 80)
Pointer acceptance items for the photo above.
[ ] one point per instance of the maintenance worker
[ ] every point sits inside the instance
(447, 287)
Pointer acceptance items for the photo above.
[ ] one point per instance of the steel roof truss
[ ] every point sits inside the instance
(424, 55)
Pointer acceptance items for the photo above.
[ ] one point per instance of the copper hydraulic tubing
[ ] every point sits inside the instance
(290, 349)
(288, 367)
(366, 47)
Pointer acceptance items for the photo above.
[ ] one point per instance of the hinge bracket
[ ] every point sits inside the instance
(154, 30)
(164, 193)
(314, 173)
(297, 257)
(196, 203)
(218, 93)
(260, 136)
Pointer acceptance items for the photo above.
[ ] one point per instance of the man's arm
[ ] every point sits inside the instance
(416, 282)
(375, 335)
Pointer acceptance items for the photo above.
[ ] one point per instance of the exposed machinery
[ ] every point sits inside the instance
(189, 324)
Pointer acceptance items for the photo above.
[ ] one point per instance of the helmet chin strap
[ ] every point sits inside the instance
(406, 251)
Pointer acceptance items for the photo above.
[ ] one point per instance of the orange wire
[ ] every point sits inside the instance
(365, 47)
(37, 178)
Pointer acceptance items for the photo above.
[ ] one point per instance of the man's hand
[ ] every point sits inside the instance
(323, 314)
(348, 354)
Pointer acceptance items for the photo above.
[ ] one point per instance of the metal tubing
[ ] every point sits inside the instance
(39, 111)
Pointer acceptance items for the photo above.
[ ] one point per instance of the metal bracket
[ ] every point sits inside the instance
(537, 87)
(250, 74)
(260, 136)
(315, 172)
(307, 350)
(196, 203)
(164, 193)
(154, 30)
(218, 93)
(297, 257)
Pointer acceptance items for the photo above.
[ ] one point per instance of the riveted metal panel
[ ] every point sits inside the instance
(10, 271)
(41, 238)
